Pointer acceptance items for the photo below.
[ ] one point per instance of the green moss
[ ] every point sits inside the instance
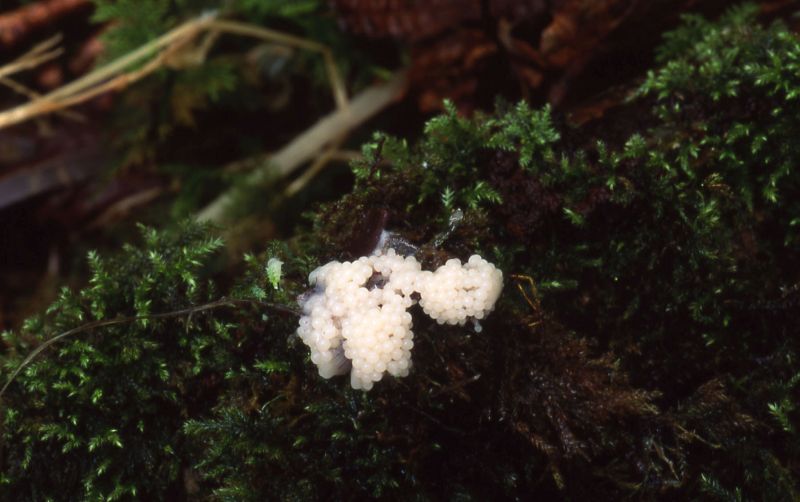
(644, 346)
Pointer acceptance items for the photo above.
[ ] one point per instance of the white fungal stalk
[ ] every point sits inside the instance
(357, 319)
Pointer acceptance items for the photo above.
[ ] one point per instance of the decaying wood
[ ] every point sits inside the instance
(404, 19)
(18, 24)
(455, 44)
(463, 50)
(64, 169)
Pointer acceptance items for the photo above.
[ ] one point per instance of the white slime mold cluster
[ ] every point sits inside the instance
(357, 319)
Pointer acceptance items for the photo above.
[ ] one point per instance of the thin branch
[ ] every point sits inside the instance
(307, 145)
(315, 168)
(182, 33)
(236, 28)
(31, 94)
(39, 54)
(164, 51)
(92, 84)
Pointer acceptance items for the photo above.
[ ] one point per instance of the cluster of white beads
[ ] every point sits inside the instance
(357, 320)
(455, 293)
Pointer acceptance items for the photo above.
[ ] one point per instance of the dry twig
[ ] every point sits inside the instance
(40, 53)
(31, 94)
(307, 145)
(322, 160)
(188, 44)
(176, 48)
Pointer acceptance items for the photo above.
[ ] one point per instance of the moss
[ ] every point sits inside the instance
(644, 345)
